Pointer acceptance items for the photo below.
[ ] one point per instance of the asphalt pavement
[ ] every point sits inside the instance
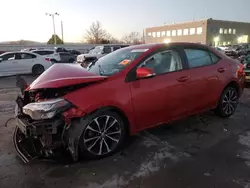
(10, 82)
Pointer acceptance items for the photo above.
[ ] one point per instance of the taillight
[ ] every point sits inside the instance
(240, 71)
(47, 59)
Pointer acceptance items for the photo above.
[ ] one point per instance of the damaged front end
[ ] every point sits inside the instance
(45, 124)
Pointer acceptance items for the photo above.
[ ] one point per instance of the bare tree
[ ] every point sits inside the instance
(96, 34)
(132, 38)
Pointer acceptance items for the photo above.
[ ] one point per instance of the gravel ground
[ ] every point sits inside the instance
(200, 151)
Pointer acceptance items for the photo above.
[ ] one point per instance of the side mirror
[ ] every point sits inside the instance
(143, 72)
(1, 59)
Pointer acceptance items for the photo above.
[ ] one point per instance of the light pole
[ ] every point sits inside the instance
(62, 30)
(53, 19)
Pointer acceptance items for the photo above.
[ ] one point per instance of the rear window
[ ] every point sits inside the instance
(44, 52)
(49, 52)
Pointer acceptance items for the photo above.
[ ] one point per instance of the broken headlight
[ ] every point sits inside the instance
(46, 109)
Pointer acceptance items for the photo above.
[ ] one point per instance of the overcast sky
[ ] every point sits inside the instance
(25, 19)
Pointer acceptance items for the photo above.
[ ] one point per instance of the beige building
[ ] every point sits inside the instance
(209, 31)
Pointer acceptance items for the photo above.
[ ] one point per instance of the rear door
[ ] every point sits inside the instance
(162, 97)
(206, 81)
(24, 62)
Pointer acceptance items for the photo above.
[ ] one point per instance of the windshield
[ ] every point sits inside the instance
(96, 50)
(114, 62)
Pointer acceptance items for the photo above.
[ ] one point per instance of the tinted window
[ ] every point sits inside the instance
(25, 56)
(48, 52)
(198, 58)
(7, 56)
(116, 48)
(106, 50)
(163, 62)
(40, 52)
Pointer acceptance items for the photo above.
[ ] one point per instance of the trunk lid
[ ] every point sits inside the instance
(62, 75)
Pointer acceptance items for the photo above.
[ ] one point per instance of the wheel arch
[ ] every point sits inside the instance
(118, 111)
(233, 84)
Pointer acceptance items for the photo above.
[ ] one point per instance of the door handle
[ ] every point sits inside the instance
(221, 70)
(183, 79)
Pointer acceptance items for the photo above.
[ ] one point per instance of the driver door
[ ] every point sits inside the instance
(7, 64)
(160, 98)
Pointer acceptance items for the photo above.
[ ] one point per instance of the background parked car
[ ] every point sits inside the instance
(99, 51)
(67, 57)
(52, 54)
(238, 50)
(74, 52)
(246, 63)
(13, 63)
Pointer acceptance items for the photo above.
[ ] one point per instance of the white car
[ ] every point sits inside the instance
(98, 52)
(52, 54)
(13, 63)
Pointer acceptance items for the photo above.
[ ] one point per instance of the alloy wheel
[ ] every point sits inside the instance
(102, 135)
(229, 102)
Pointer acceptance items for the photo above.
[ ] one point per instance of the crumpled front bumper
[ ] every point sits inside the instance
(26, 148)
(31, 139)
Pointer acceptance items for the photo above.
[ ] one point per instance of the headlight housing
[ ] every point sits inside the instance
(46, 109)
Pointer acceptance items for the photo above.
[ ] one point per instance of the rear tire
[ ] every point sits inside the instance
(228, 102)
(103, 135)
(37, 70)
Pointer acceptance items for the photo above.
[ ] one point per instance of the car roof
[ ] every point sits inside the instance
(19, 52)
(43, 50)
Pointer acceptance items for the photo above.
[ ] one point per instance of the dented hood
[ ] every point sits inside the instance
(61, 75)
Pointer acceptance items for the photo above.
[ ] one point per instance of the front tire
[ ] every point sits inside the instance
(103, 135)
(228, 102)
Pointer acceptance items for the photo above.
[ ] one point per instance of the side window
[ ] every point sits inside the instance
(116, 48)
(8, 57)
(163, 62)
(198, 58)
(39, 52)
(49, 52)
(25, 56)
(106, 50)
(214, 58)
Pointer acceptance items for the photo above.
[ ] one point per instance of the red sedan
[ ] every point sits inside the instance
(91, 112)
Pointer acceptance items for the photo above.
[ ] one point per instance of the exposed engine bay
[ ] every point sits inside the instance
(43, 119)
